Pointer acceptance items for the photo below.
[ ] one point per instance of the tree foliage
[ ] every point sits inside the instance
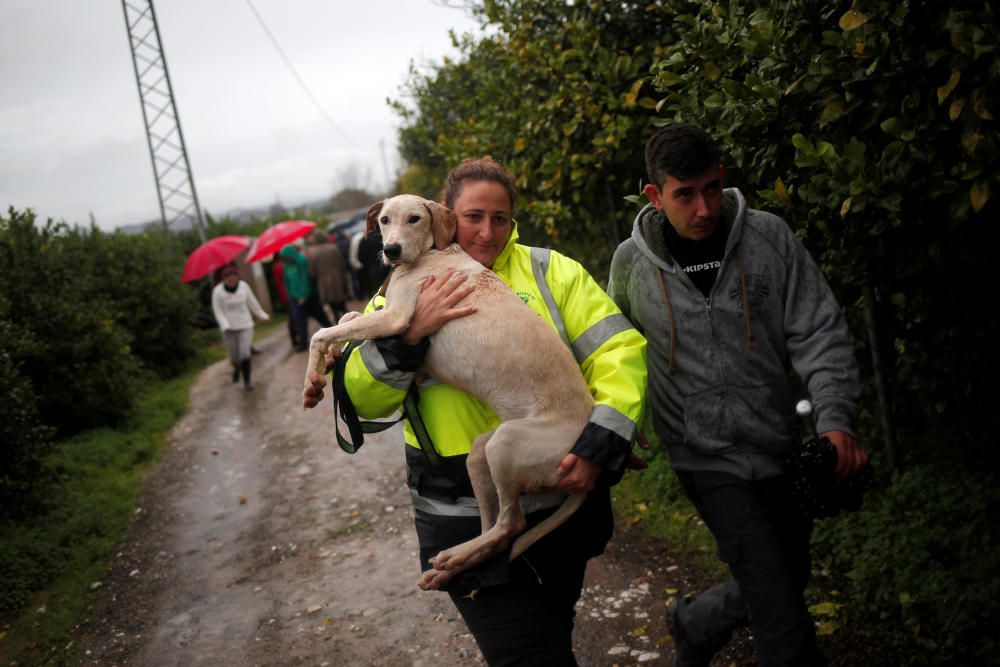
(553, 93)
(870, 126)
(85, 316)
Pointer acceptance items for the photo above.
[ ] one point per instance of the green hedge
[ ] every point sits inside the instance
(870, 126)
(86, 318)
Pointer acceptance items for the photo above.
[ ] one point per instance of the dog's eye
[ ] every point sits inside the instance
(414, 219)
(384, 220)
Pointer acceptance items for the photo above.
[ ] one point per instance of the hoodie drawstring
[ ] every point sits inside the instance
(671, 369)
(751, 343)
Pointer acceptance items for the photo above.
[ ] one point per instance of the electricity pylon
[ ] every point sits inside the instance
(171, 167)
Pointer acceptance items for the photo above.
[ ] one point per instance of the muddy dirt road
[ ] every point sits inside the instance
(258, 542)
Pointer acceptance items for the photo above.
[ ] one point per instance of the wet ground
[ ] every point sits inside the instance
(259, 542)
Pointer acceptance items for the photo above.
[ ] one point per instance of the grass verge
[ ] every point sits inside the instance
(653, 501)
(55, 559)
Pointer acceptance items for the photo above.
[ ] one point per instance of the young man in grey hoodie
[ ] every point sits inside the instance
(730, 302)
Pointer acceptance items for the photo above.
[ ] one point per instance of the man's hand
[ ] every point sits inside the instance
(576, 475)
(313, 394)
(634, 462)
(436, 305)
(850, 456)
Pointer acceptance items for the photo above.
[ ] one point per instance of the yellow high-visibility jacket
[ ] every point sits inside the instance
(612, 357)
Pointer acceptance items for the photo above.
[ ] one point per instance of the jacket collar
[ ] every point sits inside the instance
(647, 230)
(500, 264)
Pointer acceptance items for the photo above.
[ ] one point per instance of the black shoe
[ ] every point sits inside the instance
(685, 654)
(301, 348)
(245, 364)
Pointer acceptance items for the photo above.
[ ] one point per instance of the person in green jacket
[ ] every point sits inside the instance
(520, 612)
(302, 299)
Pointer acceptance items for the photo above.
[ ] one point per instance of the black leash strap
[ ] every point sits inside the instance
(412, 413)
(343, 408)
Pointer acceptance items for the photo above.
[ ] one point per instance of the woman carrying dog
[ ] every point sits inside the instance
(520, 612)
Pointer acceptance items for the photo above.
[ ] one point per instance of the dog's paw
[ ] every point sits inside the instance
(433, 580)
(444, 560)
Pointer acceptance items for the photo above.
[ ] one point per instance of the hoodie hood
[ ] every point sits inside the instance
(648, 234)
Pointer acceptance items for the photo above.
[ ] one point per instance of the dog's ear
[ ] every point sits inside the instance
(443, 224)
(372, 216)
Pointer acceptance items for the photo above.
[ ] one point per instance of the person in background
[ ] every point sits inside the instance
(302, 297)
(731, 303)
(373, 270)
(520, 612)
(357, 268)
(278, 271)
(329, 271)
(235, 308)
(343, 242)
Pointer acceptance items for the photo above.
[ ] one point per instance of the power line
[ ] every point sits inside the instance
(298, 78)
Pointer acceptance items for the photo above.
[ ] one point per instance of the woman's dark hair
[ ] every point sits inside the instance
(474, 171)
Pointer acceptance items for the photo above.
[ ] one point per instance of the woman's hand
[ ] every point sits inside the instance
(437, 305)
(576, 475)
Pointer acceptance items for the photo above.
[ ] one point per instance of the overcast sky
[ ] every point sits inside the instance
(72, 139)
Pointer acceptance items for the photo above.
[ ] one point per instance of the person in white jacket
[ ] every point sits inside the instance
(235, 307)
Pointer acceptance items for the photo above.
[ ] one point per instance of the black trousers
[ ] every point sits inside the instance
(766, 546)
(527, 619)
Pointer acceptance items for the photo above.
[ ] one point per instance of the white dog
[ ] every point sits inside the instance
(504, 354)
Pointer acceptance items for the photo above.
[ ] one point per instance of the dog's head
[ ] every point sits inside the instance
(410, 226)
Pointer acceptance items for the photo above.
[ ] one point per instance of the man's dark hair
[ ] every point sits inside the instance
(680, 150)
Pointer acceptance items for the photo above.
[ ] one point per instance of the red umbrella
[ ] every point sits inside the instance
(277, 237)
(212, 254)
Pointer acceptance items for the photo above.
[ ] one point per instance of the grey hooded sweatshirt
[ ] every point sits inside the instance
(720, 385)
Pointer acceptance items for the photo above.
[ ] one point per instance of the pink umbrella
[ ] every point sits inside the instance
(277, 237)
(212, 254)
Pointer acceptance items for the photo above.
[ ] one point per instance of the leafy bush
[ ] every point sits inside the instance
(552, 92)
(924, 551)
(140, 277)
(25, 440)
(62, 333)
(871, 128)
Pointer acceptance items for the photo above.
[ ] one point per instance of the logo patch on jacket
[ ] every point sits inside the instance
(757, 291)
(527, 297)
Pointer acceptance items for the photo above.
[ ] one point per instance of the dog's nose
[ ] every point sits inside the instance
(392, 250)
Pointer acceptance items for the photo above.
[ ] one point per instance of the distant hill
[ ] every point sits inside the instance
(238, 214)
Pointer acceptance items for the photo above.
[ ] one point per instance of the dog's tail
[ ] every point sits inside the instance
(556, 519)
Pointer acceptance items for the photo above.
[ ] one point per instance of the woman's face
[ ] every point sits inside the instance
(232, 280)
(484, 220)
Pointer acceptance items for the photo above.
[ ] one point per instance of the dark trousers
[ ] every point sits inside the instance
(766, 546)
(528, 620)
(300, 314)
(314, 308)
(297, 315)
